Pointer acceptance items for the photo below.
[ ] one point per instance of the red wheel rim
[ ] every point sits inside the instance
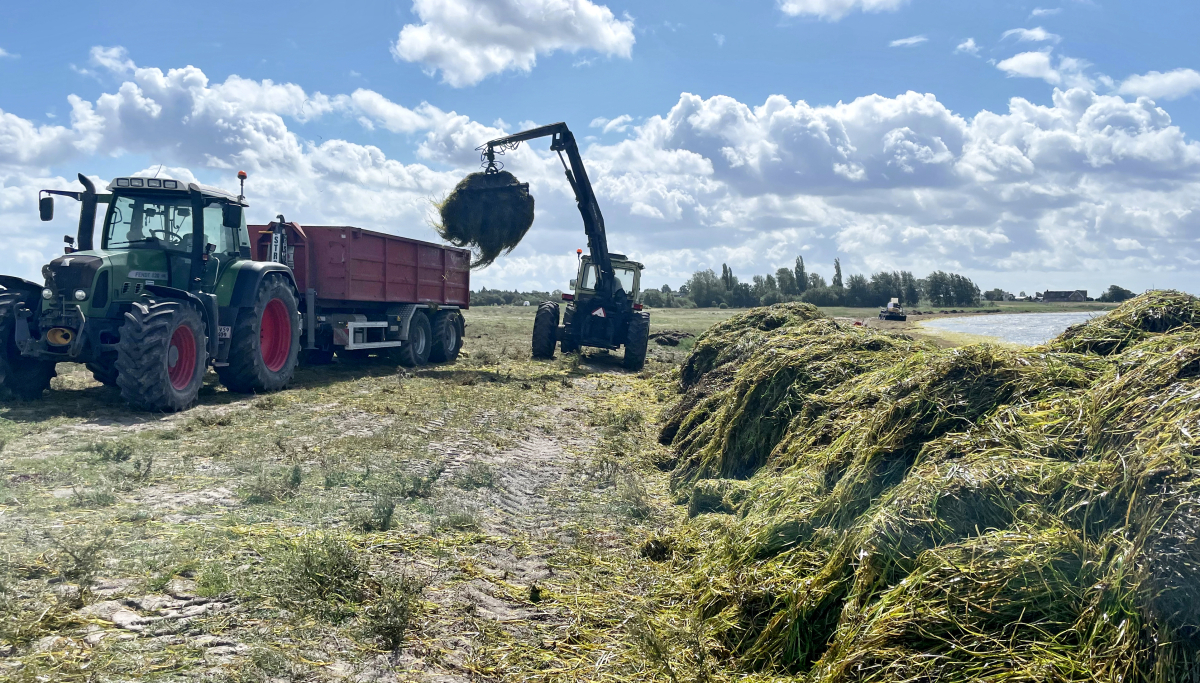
(275, 335)
(181, 357)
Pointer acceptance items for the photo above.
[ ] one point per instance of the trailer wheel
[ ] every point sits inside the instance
(162, 355)
(447, 337)
(637, 341)
(26, 378)
(567, 343)
(415, 351)
(545, 330)
(266, 341)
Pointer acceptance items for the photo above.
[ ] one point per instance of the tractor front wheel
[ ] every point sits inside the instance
(24, 377)
(265, 343)
(637, 341)
(567, 343)
(162, 355)
(545, 330)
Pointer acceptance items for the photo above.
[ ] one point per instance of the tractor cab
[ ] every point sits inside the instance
(628, 274)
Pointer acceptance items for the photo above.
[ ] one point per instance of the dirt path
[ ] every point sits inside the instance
(370, 524)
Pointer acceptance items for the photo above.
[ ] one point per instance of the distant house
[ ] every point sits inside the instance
(1072, 296)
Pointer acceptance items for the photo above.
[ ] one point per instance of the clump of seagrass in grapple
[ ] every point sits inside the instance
(488, 213)
(908, 513)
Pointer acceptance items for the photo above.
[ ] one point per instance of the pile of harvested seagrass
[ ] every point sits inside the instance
(889, 511)
(489, 213)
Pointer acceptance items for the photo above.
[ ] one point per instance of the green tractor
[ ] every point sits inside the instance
(170, 290)
(570, 334)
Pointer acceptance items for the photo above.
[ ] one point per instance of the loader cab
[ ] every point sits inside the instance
(628, 274)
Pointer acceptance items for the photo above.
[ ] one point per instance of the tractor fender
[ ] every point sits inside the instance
(249, 279)
(205, 303)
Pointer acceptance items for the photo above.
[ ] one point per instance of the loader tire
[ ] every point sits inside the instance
(265, 343)
(447, 337)
(24, 377)
(545, 330)
(415, 351)
(637, 341)
(162, 355)
(567, 343)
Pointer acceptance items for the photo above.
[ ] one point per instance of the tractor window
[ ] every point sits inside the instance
(624, 279)
(589, 277)
(215, 233)
(157, 221)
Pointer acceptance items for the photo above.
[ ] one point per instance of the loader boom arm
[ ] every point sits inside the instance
(585, 198)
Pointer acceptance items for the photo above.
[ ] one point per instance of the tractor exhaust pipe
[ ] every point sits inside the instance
(87, 215)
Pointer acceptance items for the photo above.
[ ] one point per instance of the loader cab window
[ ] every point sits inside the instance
(148, 221)
(588, 280)
(625, 278)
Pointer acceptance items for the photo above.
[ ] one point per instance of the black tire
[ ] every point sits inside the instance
(158, 339)
(416, 350)
(567, 343)
(24, 377)
(104, 371)
(249, 370)
(447, 337)
(637, 341)
(545, 330)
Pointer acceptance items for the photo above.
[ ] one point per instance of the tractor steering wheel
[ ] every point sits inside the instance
(167, 236)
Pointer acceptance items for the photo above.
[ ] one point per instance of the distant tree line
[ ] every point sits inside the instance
(706, 289)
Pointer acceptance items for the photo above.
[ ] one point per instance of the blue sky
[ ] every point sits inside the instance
(1080, 184)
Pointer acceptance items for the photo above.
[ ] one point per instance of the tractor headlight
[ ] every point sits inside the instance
(47, 294)
(80, 295)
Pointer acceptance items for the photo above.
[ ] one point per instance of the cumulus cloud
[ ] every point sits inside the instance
(1032, 35)
(618, 125)
(5, 53)
(1045, 12)
(1068, 71)
(968, 47)
(469, 40)
(1167, 86)
(833, 10)
(1088, 183)
(911, 41)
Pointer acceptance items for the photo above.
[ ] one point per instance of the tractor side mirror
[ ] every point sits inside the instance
(210, 248)
(46, 208)
(231, 216)
(573, 281)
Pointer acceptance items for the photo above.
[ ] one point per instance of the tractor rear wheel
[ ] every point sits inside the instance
(545, 330)
(447, 337)
(637, 341)
(416, 349)
(24, 377)
(265, 343)
(104, 370)
(162, 355)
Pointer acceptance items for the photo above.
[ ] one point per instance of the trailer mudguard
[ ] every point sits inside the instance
(249, 277)
(13, 282)
(205, 303)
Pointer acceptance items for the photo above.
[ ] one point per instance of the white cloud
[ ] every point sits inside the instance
(115, 59)
(469, 40)
(1069, 72)
(1167, 86)
(6, 53)
(968, 46)
(720, 38)
(1032, 35)
(911, 41)
(619, 124)
(1087, 184)
(833, 10)
(1045, 12)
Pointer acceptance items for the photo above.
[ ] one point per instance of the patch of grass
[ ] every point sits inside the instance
(321, 573)
(634, 499)
(476, 475)
(100, 497)
(213, 580)
(273, 485)
(118, 450)
(379, 516)
(391, 615)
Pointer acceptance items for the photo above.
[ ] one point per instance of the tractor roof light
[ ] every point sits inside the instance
(47, 294)
(80, 295)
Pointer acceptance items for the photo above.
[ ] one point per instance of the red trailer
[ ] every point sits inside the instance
(365, 292)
